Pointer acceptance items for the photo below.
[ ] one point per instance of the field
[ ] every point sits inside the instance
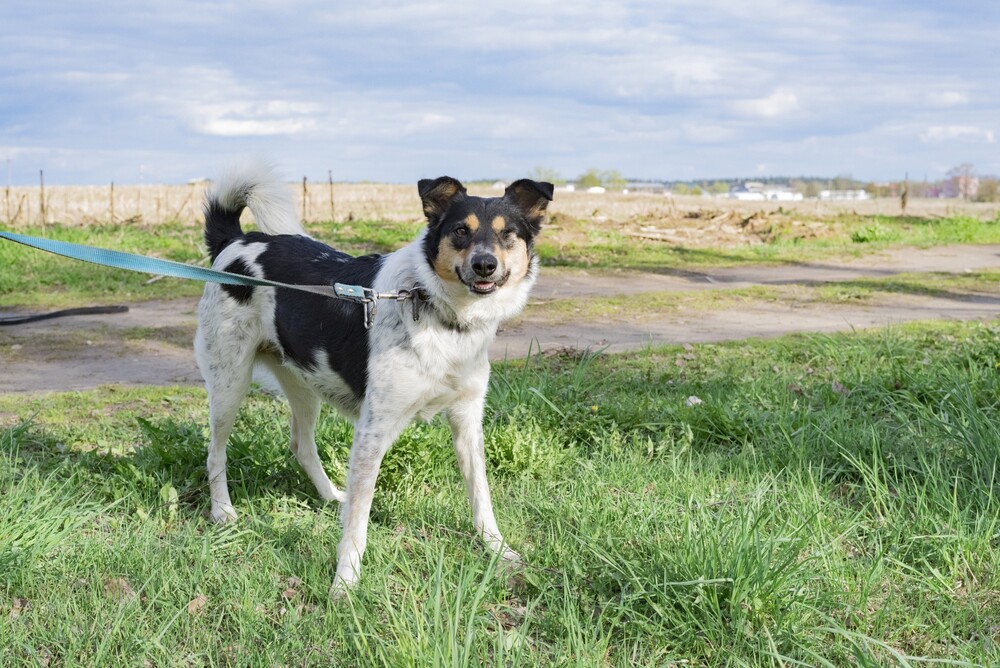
(635, 232)
(818, 500)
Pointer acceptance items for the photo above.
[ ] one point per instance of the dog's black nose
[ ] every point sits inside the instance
(484, 264)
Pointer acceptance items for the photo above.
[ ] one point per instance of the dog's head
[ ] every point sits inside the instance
(484, 243)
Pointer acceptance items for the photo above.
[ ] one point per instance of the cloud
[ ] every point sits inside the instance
(253, 119)
(949, 133)
(781, 102)
(948, 98)
(708, 133)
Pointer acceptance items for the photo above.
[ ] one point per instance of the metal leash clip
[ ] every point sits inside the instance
(368, 298)
(359, 295)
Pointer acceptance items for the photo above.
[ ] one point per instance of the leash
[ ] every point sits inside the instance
(86, 310)
(367, 297)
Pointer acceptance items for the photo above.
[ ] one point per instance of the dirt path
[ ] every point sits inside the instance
(150, 345)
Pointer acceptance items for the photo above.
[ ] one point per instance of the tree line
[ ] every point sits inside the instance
(962, 181)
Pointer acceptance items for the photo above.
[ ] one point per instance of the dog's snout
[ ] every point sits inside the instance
(484, 264)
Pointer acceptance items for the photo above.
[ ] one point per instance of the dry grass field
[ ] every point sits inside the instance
(152, 204)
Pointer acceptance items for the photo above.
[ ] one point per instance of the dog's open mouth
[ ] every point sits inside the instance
(484, 287)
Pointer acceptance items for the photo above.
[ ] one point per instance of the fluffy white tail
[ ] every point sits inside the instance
(256, 184)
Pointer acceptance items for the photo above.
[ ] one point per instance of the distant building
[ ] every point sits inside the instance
(755, 191)
(647, 187)
(843, 195)
(596, 189)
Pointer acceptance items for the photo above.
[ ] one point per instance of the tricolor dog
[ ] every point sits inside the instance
(472, 267)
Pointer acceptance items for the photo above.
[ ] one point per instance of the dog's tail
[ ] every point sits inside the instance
(255, 185)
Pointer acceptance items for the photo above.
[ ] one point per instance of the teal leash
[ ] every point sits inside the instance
(149, 265)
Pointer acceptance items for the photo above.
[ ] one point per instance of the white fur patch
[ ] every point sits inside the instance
(256, 185)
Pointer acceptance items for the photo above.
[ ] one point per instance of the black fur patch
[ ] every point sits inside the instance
(308, 323)
(221, 227)
(241, 293)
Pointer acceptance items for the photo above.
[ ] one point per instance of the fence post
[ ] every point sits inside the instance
(41, 194)
(305, 200)
(111, 198)
(333, 215)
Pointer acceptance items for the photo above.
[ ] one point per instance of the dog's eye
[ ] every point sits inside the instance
(461, 231)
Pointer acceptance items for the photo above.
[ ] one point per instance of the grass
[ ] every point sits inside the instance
(970, 285)
(826, 500)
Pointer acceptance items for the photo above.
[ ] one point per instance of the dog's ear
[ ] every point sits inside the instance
(438, 194)
(532, 198)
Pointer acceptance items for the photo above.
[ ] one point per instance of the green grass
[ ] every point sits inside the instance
(967, 285)
(832, 500)
(637, 307)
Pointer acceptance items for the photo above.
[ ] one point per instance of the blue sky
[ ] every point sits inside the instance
(389, 91)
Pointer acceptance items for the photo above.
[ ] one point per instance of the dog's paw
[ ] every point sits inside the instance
(332, 493)
(223, 513)
(510, 557)
(340, 587)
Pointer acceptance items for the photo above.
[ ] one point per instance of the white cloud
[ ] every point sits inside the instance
(708, 133)
(781, 102)
(948, 98)
(946, 133)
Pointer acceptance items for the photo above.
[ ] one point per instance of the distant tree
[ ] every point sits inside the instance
(612, 179)
(719, 188)
(989, 189)
(589, 179)
(963, 180)
(548, 174)
(843, 182)
(681, 189)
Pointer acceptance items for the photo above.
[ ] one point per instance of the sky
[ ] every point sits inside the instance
(164, 92)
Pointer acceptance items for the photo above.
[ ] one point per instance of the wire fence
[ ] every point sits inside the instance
(324, 201)
(32, 206)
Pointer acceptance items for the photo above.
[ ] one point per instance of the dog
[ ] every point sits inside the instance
(470, 269)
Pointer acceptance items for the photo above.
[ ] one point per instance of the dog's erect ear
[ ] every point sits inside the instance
(531, 197)
(438, 194)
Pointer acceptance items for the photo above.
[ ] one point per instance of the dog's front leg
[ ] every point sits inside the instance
(466, 420)
(372, 439)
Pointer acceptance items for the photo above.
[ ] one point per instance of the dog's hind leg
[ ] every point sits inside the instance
(225, 394)
(227, 371)
(466, 419)
(305, 407)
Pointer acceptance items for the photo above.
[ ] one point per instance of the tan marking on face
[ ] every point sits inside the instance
(498, 224)
(447, 259)
(514, 260)
(472, 220)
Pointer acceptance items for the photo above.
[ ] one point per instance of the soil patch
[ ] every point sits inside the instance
(150, 345)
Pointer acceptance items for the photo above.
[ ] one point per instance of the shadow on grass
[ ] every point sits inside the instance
(171, 456)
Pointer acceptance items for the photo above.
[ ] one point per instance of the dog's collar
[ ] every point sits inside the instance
(418, 297)
(422, 299)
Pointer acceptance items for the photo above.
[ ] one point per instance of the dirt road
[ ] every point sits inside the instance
(151, 344)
